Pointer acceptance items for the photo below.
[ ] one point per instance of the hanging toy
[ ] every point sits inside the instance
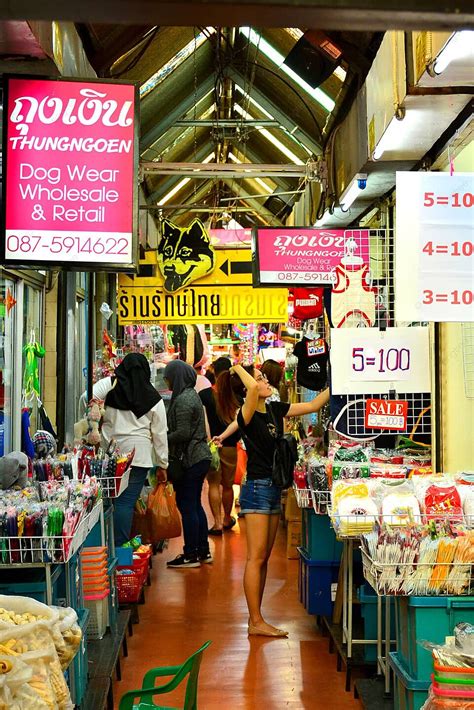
(31, 383)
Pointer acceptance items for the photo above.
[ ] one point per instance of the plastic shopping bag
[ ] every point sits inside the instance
(165, 517)
(241, 468)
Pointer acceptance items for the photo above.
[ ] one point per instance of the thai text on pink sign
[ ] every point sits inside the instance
(70, 171)
(295, 256)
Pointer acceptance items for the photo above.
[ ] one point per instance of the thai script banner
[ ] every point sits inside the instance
(294, 256)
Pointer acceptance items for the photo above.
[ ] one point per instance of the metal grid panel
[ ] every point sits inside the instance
(369, 300)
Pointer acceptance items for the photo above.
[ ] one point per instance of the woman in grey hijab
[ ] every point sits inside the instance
(187, 439)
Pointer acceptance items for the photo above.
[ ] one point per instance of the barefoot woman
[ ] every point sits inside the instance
(260, 498)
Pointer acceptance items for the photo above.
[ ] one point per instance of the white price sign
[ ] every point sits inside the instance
(434, 257)
(365, 360)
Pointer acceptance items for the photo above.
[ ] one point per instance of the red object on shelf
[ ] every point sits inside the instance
(129, 586)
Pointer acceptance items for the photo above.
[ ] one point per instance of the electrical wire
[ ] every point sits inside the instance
(133, 63)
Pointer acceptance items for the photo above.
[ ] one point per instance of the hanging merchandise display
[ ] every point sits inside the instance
(307, 303)
(31, 381)
(313, 356)
(434, 235)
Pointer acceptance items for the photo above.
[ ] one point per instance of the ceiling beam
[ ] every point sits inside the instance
(226, 123)
(366, 15)
(257, 207)
(283, 118)
(282, 183)
(151, 136)
(244, 171)
(166, 185)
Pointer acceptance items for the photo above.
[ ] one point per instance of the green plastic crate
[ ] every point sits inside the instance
(408, 693)
(427, 619)
(318, 539)
(368, 609)
(80, 661)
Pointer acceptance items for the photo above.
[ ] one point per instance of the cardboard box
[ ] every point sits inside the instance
(292, 511)
(293, 539)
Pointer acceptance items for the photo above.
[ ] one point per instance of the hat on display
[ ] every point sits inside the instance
(44, 443)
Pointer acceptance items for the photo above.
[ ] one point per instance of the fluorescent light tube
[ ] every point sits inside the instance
(458, 46)
(389, 137)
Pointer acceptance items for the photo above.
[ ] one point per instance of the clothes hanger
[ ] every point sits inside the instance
(350, 258)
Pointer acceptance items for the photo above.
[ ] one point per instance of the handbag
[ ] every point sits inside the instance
(175, 471)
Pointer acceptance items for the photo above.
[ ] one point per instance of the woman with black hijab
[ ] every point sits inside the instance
(135, 417)
(187, 440)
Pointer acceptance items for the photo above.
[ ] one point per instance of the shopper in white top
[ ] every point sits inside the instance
(135, 417)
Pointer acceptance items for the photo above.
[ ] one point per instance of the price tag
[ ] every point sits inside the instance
(386, 414)
(434, 247)
(365, 360)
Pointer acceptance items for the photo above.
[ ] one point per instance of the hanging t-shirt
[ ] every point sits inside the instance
(260, 439)
(307, 303)
(312, 363)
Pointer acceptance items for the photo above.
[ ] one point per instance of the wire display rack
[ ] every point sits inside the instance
(418, 578)
(352, 527)
(47, 549)
(309, 498)
(114, 486)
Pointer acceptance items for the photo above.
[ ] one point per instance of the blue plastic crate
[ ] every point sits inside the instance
(113, 596)
(427, 619)
(80, 669)
(31, 582)
(315, 584)
(368, 610)
(408, 693)
(124, 556)
(318, 539)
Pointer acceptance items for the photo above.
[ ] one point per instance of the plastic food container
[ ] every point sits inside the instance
(453, 673)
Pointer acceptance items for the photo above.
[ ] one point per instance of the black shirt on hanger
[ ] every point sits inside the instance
(313, 355)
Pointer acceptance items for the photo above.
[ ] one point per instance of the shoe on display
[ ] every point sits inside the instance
(206, 559)
(182, 562)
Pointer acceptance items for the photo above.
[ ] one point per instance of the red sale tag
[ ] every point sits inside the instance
(386, 414)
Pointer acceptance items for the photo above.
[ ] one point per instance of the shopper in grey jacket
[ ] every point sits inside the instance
(187, 437)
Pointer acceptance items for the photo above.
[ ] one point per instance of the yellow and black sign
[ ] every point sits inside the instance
(233, 268)
(228, 304)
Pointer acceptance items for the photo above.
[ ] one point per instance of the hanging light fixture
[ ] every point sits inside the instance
(459, 45)
(391, 134)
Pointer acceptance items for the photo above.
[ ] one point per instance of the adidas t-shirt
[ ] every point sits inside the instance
(312, 363)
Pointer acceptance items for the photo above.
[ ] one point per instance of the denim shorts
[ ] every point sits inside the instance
(260, 496)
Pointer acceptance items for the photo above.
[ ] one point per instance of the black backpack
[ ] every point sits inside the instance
(285, 456)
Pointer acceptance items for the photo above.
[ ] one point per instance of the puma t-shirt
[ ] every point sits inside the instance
(312, 363)
(260, 440)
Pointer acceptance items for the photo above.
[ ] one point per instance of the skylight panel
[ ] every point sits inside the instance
(271, 138)
(278, 59)
(174, 62)
(179, 186)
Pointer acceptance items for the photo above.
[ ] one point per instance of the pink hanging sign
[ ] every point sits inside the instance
(70, 173)
(294, 256)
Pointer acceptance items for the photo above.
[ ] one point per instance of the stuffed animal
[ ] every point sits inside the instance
(87, 430)
(13, 470)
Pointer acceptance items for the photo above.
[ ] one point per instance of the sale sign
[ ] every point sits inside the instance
(365, 360)
(386, 414)
(293, 256)
(70, 172)
(434, 258)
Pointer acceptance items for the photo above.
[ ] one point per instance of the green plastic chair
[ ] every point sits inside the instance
(148, 690)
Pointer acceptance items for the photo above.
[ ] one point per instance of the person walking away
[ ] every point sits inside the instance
(187, 437)
(135, 417)
(221, 409)
(260, 498)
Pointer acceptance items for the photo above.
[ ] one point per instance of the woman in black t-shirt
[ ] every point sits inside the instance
(259, 497)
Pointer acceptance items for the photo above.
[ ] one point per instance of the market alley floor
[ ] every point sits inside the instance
(185, 608)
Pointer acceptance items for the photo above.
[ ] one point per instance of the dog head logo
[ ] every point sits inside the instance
(184, 255)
